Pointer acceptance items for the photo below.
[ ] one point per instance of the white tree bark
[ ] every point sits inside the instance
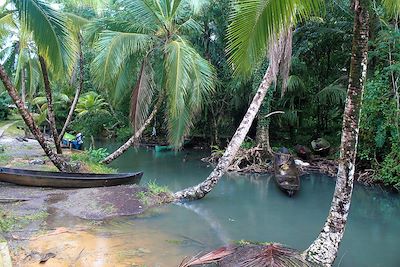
(324, 249)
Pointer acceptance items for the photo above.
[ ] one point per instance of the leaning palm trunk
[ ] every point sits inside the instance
(136, 135)
(50, 109)
(200, 190)
(27, 117)
(324, 249)
(77, 93)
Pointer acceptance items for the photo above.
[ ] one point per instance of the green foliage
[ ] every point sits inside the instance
(91, 103)
(96, 155)
(152, 35)
(93, 125)
(49, 32)
(389, 171)
(124, 133)
(4, 109)
(255, 23)
(157, 189)
(90, 158)
(248, 143)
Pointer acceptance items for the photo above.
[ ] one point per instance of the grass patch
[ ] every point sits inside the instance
(5, 159)
(89, 164)
(143, 197)
(9, 221)
(16, 129)
(157, 189)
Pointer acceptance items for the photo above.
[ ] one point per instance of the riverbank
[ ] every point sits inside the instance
(251, 161)
(26, 212)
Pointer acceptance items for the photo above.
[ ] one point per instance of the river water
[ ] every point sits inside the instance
(251, 207)
(242, 207)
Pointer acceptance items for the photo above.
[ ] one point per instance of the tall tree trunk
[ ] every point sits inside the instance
(50, 110)
(27, 117)
(262, 135)
(136, 135)
(23, 86)
(77, 92)
(324, 249)
(200, 190)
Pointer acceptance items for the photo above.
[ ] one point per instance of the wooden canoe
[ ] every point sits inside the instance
(66, 180)
(286, 173)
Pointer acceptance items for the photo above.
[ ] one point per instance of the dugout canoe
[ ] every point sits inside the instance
(286, 173)
(66, 180)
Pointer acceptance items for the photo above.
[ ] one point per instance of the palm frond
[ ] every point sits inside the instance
(190, 26)
(143, 11)
(295, 85)
(91, 103)
(34, 80)
(76, 23)
(189, 7)
(392, 7)
(122, 85)
(178, 63)
(142, 95)
(203, 77)
(50, 33)
(189, 80)
(113, 49)
(249, 255)
(331, 95)
(254, 22)
(6, 22)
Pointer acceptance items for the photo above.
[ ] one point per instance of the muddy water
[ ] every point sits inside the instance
(242, 207)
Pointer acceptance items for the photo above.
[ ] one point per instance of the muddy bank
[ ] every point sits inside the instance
(88, 203)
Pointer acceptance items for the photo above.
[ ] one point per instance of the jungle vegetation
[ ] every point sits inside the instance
(126, 65)
(193, 69)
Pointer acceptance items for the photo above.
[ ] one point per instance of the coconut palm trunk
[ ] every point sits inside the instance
(202, 189)
(324, 249)
(23, 86)
(77, 93)
(117, 153)
(27, 117)
(50, 109)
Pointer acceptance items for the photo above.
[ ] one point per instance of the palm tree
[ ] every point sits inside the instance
(254, 25)
(57, 50)
(324, 249)
(151, 34)
(76, 25)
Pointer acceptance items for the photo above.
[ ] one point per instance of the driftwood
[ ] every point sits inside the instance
(247, 160)
(253, 161)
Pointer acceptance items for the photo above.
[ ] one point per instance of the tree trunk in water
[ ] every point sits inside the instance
(50, 110)
(200, 190)
(324, 249)
(77, 93)
(27, 117)
(134, 137)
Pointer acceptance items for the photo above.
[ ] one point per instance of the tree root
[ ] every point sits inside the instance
(255, 160)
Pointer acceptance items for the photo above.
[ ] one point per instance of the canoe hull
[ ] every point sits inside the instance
(286, 173)
(66, 180)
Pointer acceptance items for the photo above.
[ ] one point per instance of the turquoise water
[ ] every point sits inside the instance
(251, 207)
